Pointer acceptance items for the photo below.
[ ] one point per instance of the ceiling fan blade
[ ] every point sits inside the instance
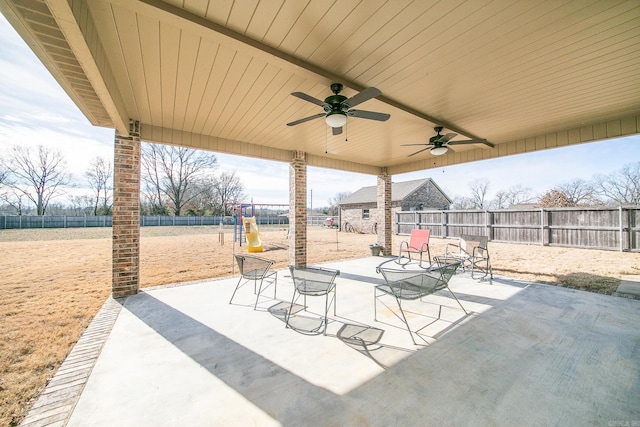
(409, 145)
(471, 141)
(336, 131)
(308, 98)
(363, 96)
(306, 119)
(371, 115)
(447, 137)
(419, 151)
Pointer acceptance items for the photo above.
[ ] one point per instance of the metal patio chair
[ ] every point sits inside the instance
(412, 284)
(313, 281)
(253, 268)
(473, 252)
(418, 244)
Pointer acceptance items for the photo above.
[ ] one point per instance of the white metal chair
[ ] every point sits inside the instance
(473, 252)
(313, 281)
(253, 268)
(412, 284)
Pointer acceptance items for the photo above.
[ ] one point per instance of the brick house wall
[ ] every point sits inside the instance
(424, 198)
(351, 217)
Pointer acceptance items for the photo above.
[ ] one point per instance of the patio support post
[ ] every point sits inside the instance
(126, 213)
(298, 209)
(384, 211)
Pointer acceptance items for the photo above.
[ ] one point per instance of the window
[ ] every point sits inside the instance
(365, 213)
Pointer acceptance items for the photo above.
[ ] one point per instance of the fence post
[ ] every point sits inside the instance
(445, 227)
(397, 215)
(621, 229)
(542, 233)
(487, 225)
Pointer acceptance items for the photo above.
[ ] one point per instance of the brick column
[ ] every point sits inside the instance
(298, 209)
(384, 209)
(126, 214)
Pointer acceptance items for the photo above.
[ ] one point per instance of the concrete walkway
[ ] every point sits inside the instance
(629, 287)
(528, 354)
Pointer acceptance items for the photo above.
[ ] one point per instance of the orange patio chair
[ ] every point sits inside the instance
(418, 244)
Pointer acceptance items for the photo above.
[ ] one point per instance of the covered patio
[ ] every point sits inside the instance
(507, 78)
(527, 354)
(219, 76)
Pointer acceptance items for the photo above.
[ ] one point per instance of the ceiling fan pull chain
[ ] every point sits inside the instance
(326, 140)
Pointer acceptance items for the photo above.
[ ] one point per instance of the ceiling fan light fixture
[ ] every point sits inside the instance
(439, 151)
(336, 119)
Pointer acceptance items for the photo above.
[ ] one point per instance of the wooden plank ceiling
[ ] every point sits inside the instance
(218, 74)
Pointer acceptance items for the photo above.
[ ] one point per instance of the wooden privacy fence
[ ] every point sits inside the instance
(594, 228)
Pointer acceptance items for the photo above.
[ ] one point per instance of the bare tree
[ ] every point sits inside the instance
(621, 187)
(100, 178)
(479, 190)
(171, 174)
(39, 176)
(4, 193)
(335, 200)
(204, 202)
(501, 200)
(578, 192)
(518, 194)
(4, 173)
(13, 198)
(151, 178)
(463, 203)
(228, 190)
(82, 205)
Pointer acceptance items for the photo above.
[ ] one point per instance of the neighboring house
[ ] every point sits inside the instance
(359, 212)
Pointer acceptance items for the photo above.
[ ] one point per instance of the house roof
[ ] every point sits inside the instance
(399, 191)
(218, 76)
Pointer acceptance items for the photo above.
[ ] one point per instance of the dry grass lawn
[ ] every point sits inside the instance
(54, 281)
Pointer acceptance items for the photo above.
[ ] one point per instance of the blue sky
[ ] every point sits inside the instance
(34, 110)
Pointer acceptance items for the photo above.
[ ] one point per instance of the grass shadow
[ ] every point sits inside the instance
(576, 280)
(588, 282)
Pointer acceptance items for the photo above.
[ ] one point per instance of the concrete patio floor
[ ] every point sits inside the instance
(527, 354)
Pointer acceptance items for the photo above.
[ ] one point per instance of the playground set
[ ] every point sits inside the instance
(245, 226)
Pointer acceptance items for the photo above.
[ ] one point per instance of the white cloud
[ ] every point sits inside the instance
(77, 149)
(268, 181)
(539, 171)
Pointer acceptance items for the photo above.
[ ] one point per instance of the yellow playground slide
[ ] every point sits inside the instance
(254, 244)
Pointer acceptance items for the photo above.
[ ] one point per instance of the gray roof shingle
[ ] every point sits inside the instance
(399, 190)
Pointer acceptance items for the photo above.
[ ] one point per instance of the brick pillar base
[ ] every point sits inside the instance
(298, 209)
(384, 207)
(126, 215)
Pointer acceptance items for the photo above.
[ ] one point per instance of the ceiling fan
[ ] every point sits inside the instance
(439, 143)
(337, 107)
